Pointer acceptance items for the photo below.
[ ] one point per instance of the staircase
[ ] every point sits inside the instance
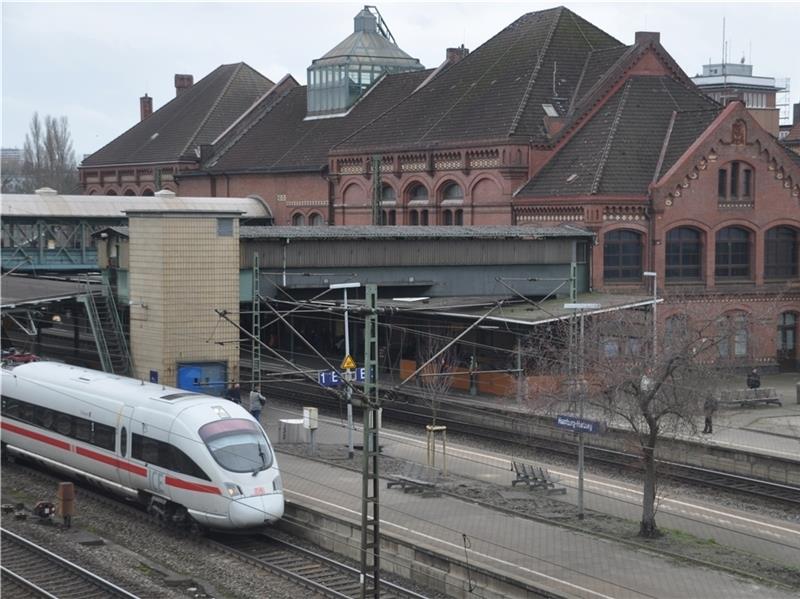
(107, 330)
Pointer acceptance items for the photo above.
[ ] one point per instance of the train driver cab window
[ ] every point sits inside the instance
(237, 445)
(123, 442)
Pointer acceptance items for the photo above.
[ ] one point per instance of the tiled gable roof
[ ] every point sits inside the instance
(618, 150)
(682, 133)
(497, 91)
(196, 116)
(279, 138)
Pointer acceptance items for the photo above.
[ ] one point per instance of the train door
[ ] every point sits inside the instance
(124, 448)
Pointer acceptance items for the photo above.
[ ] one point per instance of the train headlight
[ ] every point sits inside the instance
(277, 484)
(232, 490)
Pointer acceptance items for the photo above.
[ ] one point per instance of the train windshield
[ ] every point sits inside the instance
(237, 445)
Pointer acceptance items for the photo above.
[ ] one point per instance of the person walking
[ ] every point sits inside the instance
(256, 402)
(753, 379)
(234, 393)
(709, 407)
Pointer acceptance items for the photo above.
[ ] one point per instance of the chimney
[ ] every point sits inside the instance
(644, 37)
(145, 107)
(182, 83)
(454, 55)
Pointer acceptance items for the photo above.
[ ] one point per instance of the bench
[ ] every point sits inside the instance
(748, 398)
(416, 478)
(535, 477)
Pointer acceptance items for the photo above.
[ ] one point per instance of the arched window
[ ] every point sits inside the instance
(622, 256)
(418, 193)
(733, 253)
(683, 254)
(147, 192)
(735, 182)
(423, 217)
(447, 217)
(453, 191)
(780, 252)
(388, 194)
(391, 218)
(129, 192)
(459, 217)
(298, 220)
(315, 219)
(413, 217)
(111, 192)
(734, 335)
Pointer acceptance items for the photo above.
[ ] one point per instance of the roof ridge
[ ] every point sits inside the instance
(609, 142)
(235, 136)
(211, 110)
(534, 73)
(665, 145)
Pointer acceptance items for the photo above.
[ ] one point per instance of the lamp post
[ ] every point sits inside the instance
(654, 276)
(580, 308)
(349, 390)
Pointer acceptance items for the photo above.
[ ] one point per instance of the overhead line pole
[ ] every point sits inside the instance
(370, 483)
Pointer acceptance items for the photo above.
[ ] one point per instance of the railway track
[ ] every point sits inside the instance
(786, 494)
(33, 571)
(313, 571)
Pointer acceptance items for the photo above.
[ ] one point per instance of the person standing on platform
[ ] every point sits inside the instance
(709, 407)
(256, 402)
(753, 379)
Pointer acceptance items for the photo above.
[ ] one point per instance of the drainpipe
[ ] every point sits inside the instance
(285, 246)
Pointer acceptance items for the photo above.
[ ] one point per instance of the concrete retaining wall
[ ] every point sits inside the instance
(438, 571)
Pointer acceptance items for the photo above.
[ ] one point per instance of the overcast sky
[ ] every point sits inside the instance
(92, 61)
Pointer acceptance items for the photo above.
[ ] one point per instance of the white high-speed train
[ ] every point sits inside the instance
(193, 459)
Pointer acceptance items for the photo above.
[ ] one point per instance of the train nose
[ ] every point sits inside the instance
(255, 511)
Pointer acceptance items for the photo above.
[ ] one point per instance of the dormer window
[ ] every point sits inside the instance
(735, 183)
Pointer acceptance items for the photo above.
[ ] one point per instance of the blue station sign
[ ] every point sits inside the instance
(577, 425)
(331, 378)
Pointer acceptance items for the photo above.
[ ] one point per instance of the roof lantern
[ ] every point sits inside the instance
(347, 71)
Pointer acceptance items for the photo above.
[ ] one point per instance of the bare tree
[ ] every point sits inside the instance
(656, 390)
(436, 379)
(48, 156)
(11, 169)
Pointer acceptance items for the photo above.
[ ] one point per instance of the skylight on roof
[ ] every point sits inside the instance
(550, 110)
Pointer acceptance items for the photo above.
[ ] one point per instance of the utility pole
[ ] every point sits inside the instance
(349, 390)
(370, 517)
(255, 371)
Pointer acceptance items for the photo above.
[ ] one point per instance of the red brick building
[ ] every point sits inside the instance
(550, 121)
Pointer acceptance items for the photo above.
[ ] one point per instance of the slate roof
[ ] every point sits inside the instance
(618, 150)
(196, 116)
(495, 92)
(279, 139)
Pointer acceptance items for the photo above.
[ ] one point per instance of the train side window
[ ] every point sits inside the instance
(185, 465)
(45, 418)
(27, 413)
(104, 436)
(10, 408)
(123, 442)
(83, 429)
(64, 425)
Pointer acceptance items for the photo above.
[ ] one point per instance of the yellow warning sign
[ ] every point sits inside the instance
(348, 363)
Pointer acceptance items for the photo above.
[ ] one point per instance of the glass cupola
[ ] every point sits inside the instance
(341, 76)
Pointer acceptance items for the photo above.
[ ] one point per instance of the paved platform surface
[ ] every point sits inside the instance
(572, 564)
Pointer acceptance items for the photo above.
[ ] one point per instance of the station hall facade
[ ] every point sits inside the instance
(550, 121)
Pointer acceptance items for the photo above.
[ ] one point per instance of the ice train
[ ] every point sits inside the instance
(192, 459)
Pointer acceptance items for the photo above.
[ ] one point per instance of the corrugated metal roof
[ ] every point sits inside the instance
(47, 205)
(411, 232)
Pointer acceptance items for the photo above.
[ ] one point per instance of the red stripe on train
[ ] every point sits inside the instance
(186, 485)
(35, 436)
(111, 461)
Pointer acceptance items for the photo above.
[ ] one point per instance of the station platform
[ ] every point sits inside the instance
(566, 562)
